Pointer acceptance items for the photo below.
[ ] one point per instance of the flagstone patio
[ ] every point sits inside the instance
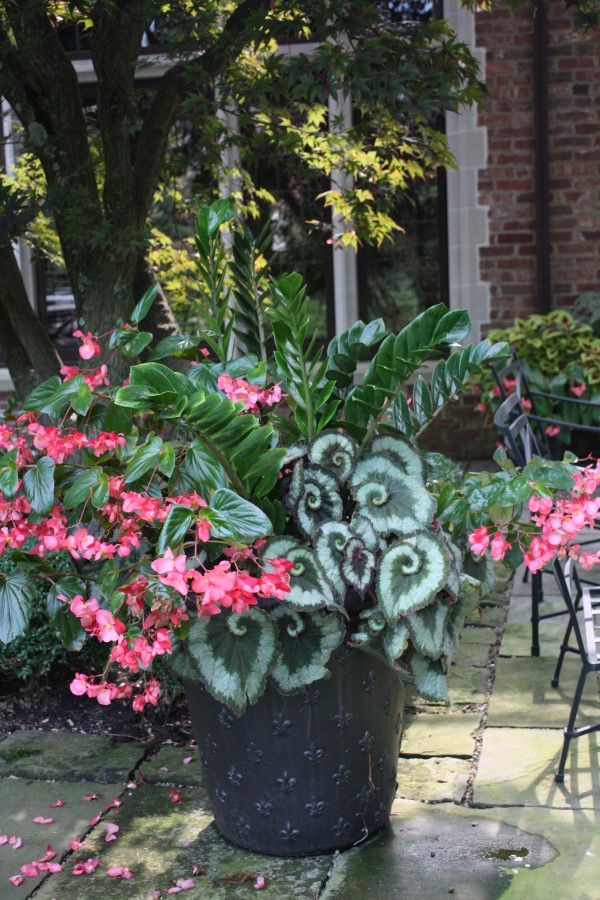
(478, 815)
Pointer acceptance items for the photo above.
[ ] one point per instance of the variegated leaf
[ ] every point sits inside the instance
(363, 528)
(319, 501)
(234, 655)
(335, 451)
(296, 487)
(402, 452)
(310, 589)
(307, 641)
(428, 628)
(410, 574)
(329, 546)
(395, 503)
(395, 642)
(430, 678)
(358, 565)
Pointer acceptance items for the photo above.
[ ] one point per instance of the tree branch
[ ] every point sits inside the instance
(29, 353)
(244, 22)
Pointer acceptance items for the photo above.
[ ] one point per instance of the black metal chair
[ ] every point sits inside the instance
(541, 402)
(522, 444)
(587, 646)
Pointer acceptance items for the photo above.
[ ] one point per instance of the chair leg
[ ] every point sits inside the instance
(570, 729)
(563, 651)
(537, 595)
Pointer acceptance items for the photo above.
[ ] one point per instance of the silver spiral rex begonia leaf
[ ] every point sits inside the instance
(396, 503)
(307, 641)
(402, 453)
(410, 574)
(310, 589)
(430, 678)
(335, 451)
(428, 628)
(319, 501)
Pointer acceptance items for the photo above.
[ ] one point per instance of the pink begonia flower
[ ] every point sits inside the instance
(89, 346)
(579, 389)
(40, 820)
(259, 883)
(57, 804)
(107, 627)
(86, 868)
(16, 880)
(479, 540)
(171, 571)
(119, 872)
(112, 830)
(552, 430)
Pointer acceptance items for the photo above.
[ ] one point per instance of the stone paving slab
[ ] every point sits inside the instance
(523, 695)
(475, 634)
(528, 779)
(431, 734)
(431, 852)
(466, 686)
(435, 780)
(168, 767)
(21, 801)
(161, 841)
(516, 640)
(490, 616)
(68, 757)
(472, 655)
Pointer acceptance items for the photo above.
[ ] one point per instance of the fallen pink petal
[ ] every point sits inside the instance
(16, 880)
(91, 797)
(175, 796)
(29, 869)
(57, 804)
(3, 839)
(115, 803)
(15, 842)
(75, 845)
(49, 854)
(188, 760)
(182, 884)
(40, 820)
(120, 872)
(154, 895)
(259, 883)
(86, 868)
(112, 830)
(95, 820)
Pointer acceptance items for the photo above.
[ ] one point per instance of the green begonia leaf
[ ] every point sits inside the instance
(38, 485)
(307, 641)
(16, 595)
(394, 502)
(430, 678)
(233, 655)
(410, 574)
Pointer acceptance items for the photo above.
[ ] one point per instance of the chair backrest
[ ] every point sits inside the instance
(540, 402)
(519, 439)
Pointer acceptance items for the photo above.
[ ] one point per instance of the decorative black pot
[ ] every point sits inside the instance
(308, 773)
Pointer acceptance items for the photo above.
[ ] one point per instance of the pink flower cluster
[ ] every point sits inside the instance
(93, 377)
(58, 443)
(250, 395)
(558, 523)
(223, 586)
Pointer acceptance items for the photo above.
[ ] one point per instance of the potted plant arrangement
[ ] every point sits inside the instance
(270, 528)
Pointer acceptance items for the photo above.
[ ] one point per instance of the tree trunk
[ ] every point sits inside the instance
(29, 353)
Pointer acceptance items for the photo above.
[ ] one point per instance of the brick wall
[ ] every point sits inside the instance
(506, 186)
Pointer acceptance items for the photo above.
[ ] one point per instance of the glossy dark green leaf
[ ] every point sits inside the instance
(38, 485)
(143, 306)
